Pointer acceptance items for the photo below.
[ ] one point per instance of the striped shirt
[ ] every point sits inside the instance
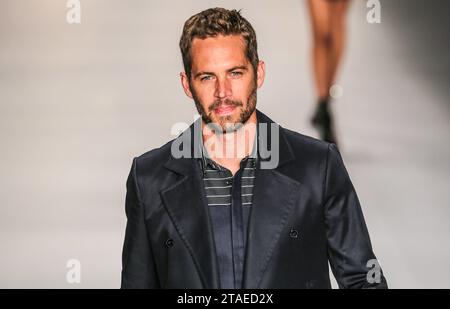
(229, 203)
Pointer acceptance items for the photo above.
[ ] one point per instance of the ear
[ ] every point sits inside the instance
(185, 84)
(261, 74)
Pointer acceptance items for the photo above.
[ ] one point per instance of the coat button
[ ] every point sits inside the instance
(293, 234)
(169, 243)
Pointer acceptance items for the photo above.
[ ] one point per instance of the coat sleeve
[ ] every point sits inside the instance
(138, 269)
(352, 260)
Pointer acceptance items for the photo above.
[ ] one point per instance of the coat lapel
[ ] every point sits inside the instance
(274, 197)
(270, 211)
(186, 204)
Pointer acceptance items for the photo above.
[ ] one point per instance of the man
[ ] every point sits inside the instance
(270, 213)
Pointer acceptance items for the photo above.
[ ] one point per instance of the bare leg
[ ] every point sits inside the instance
(328, 25)
(337, 22)
(320, 20)
(321, 12)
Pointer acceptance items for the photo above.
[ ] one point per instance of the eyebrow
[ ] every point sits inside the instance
(239, 67)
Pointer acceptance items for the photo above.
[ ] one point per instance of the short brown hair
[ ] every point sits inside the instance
(213, 22)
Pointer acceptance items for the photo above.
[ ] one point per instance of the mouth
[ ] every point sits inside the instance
(224, 110)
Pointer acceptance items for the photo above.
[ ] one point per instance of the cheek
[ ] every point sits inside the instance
(242, 89)
(205, 93)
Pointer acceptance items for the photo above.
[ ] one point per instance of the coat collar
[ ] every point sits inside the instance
(273, 199)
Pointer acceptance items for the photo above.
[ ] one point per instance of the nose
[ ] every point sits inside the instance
(223, 88)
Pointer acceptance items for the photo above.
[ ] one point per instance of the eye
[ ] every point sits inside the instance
(206, 78)
(236, 73)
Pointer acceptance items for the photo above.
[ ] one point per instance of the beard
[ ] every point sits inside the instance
(227, 123)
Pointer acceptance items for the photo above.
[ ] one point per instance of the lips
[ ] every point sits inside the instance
(225, 110)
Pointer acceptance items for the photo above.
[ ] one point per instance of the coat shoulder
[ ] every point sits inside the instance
(304, 146)
(156, 153)
(153, 160)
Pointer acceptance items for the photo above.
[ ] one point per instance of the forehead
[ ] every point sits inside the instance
(218, 52)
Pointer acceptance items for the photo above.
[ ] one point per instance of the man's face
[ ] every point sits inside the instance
(223, 83)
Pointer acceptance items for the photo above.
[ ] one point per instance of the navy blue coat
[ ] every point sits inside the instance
(305, 214)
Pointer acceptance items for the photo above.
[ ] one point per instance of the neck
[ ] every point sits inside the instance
(228, 149)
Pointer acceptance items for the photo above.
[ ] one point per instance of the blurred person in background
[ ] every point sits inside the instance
(328, 27)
